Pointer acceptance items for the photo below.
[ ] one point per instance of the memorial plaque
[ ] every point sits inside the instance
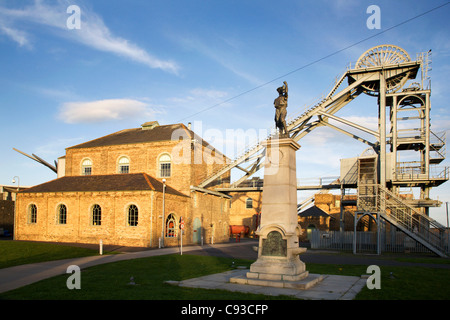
(274, 245)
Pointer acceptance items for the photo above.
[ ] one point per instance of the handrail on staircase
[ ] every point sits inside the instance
(416, 223)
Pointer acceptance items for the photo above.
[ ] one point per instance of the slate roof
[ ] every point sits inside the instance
(98, 183)
(140, 135)
(313, 212)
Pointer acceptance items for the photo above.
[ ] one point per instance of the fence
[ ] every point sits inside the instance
(366, 241)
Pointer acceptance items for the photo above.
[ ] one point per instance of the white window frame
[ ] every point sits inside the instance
(166, 160)
(122, 163)
(86, 164)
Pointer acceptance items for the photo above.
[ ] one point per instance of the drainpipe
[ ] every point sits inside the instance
(151, 218)
(163, 212)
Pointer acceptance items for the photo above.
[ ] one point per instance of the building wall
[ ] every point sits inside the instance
(213, 212)
(240, 214)
(330, 203)
(7, 215)
(114, 228)
(319, 223)
(189, 165)
(143, 157)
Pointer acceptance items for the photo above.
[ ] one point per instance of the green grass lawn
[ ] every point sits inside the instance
(110, 281)
(14, 253)
(397, 283)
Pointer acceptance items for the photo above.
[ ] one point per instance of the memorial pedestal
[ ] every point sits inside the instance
(278, 262)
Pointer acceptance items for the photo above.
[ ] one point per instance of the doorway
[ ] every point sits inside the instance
(197, 232)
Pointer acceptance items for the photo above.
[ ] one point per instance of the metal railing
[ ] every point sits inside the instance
(415, 170)
(438, 145)
(380, 200)
(366, 241)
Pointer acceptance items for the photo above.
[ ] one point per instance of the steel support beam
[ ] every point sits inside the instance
(349, 123)
(348, 133)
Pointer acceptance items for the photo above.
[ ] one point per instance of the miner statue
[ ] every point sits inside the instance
(280, 106)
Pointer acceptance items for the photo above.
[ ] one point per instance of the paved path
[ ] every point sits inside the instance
(332, 287)
(15, 277)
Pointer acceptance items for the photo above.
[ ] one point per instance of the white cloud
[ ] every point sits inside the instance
(198, 97)
(218, 54)
(55, 148)
(18, 36)
(103, 110)
(366, 122)
(93, 32)
(210, 94)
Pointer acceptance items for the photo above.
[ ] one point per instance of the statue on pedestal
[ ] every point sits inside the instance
(280, 104)
(278, 264)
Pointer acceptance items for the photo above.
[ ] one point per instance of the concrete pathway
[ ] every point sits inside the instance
(332, 287)
(16, 277)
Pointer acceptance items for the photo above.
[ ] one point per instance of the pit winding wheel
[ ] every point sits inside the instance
(381, 56)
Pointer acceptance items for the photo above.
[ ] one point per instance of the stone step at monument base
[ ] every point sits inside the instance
(276, 276)
(305, 281)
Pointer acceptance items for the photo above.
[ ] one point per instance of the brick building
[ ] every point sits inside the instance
(247, 205)
(129, 188)
(326, 215)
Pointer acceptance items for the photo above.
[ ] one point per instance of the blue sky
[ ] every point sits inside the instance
(207, 62)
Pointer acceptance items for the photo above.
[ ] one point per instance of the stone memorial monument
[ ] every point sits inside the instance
(278, 262)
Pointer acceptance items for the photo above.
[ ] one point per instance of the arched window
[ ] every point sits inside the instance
(165, 165)
(96, 215)
(124, 165)
(32, 213)
(171, 223)
(62, 214)
(133, 215)
(249, 203)
(86, 167)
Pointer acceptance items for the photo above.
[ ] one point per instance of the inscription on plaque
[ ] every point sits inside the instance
(274, 245)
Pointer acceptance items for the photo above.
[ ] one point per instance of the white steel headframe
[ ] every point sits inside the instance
(382, 69)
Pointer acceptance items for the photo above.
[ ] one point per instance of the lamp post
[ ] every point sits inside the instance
(163, 212)
(15, 204)
(18, 182)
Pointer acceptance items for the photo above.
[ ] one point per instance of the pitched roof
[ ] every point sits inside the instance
(111, 182)
(313, 212)
(144, 134)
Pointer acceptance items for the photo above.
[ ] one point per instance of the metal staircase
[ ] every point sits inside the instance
(404, 217)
